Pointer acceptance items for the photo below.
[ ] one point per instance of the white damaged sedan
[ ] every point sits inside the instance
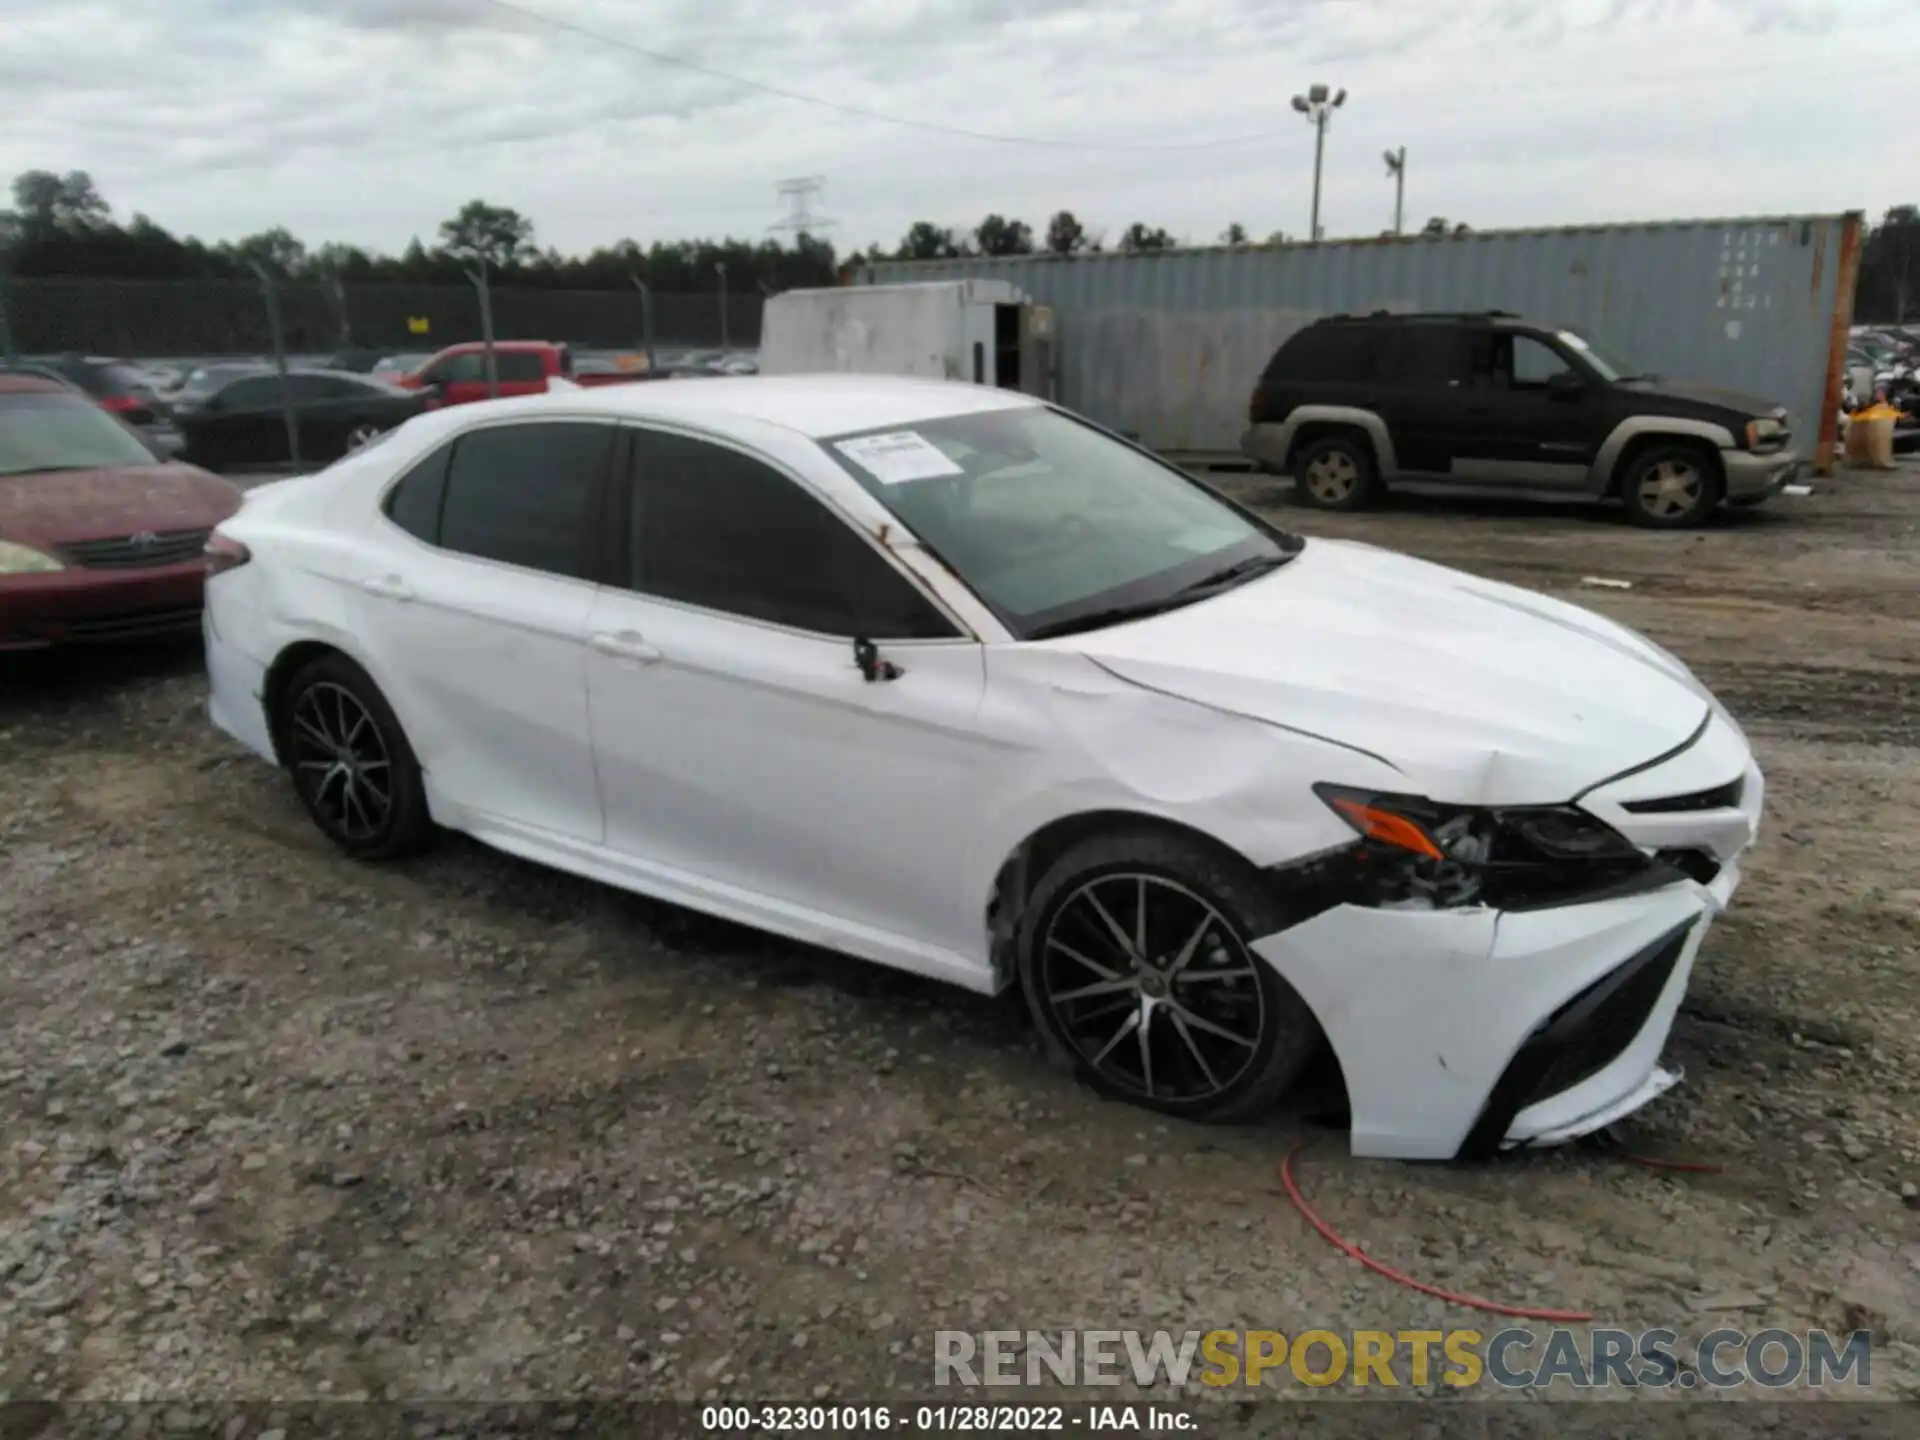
(949, 679)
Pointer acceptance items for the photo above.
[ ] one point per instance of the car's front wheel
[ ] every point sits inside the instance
(1669, 487)
(351, 764)
(1135, 955)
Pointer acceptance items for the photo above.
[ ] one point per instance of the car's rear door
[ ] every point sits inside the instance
(1418, 376)
(521, 372)
(473, 607)
(245, 420)
(740, 749)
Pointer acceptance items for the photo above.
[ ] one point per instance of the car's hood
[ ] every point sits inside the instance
(1477, 692)
(61, 506)
(1750, 406)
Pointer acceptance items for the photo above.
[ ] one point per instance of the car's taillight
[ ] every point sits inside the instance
(120, 404)
(224, 553)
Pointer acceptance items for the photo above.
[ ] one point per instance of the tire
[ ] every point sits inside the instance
(331, 698)
(1207, 904)
(1336, 473)
(1670, 487)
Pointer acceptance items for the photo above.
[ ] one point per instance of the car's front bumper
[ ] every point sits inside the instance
(1464, 1032)
(79, 605)
(1752, 478)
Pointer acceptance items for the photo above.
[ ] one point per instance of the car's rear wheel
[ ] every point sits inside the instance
(1669, 487)
(1135, 955)
(351, 764)
(1336, 473)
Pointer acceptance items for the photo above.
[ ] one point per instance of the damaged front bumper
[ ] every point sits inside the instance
(1464, 1032)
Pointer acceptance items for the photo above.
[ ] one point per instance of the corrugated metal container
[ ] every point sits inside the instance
(1166, 345)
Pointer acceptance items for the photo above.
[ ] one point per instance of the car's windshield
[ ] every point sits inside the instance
(49, 430)
(1055, 525)
(1610, 367)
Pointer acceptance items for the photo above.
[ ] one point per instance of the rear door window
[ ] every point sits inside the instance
(516, 365)
(1424, 357)
(528, 495)
(256, 392)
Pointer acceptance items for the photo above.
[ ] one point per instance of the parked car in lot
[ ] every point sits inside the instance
(458, 374)
(120, 388)
(1351, 404)
(99, 538)
(241, 419)
(949, 679)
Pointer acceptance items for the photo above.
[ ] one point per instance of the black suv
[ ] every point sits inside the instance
(1493, 402)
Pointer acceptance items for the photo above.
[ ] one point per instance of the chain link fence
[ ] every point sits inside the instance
(229, 317)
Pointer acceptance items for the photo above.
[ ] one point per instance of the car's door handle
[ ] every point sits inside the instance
(387, 587)
(624, 645)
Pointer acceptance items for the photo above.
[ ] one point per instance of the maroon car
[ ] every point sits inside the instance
(99, 539)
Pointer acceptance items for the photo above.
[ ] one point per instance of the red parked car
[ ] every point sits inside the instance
(458, 374)
(100, 539)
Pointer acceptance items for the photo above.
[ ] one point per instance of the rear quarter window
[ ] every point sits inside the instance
(1325, 354)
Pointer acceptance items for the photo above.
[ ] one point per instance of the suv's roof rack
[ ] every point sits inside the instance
(1427, 315)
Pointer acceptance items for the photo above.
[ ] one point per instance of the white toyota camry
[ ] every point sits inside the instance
(949, 679)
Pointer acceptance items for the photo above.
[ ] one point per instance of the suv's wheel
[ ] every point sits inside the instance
(351, 764)
(1669, 487)
(1136, 961)
(1335, 473)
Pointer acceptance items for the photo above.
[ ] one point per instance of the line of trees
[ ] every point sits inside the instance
(60, 225)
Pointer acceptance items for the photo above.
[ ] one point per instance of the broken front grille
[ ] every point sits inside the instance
(137, 552)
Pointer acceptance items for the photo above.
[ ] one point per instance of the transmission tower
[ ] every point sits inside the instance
(798, 194)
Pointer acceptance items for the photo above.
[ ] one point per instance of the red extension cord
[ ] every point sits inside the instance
(1471, 1302)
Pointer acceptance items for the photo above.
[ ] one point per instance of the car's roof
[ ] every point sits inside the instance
(1431, 317)
(811, 405)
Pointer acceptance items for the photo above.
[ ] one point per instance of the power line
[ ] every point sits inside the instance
(659, 57)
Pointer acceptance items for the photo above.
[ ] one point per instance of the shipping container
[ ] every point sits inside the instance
(936, 331)
(1165, 345)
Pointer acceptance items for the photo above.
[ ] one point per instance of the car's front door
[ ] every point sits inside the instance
(1530, 415)
(474, 621)
(460, 378)
(739, 744)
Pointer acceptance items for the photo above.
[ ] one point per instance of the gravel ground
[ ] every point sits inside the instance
(277, 1125)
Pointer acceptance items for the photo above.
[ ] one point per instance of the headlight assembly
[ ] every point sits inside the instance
(1418, 853)
(24, 560)
(1765, 434)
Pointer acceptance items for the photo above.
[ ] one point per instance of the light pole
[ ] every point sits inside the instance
(1317, 105)
(1397, 168)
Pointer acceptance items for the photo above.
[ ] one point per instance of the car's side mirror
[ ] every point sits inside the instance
(1564, 385)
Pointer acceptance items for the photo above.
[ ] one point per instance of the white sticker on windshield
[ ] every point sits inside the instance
(897, 457)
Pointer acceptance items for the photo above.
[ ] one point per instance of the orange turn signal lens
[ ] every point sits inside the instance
(1386, 827)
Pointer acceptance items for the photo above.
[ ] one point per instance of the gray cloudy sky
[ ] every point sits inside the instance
(371, 120)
